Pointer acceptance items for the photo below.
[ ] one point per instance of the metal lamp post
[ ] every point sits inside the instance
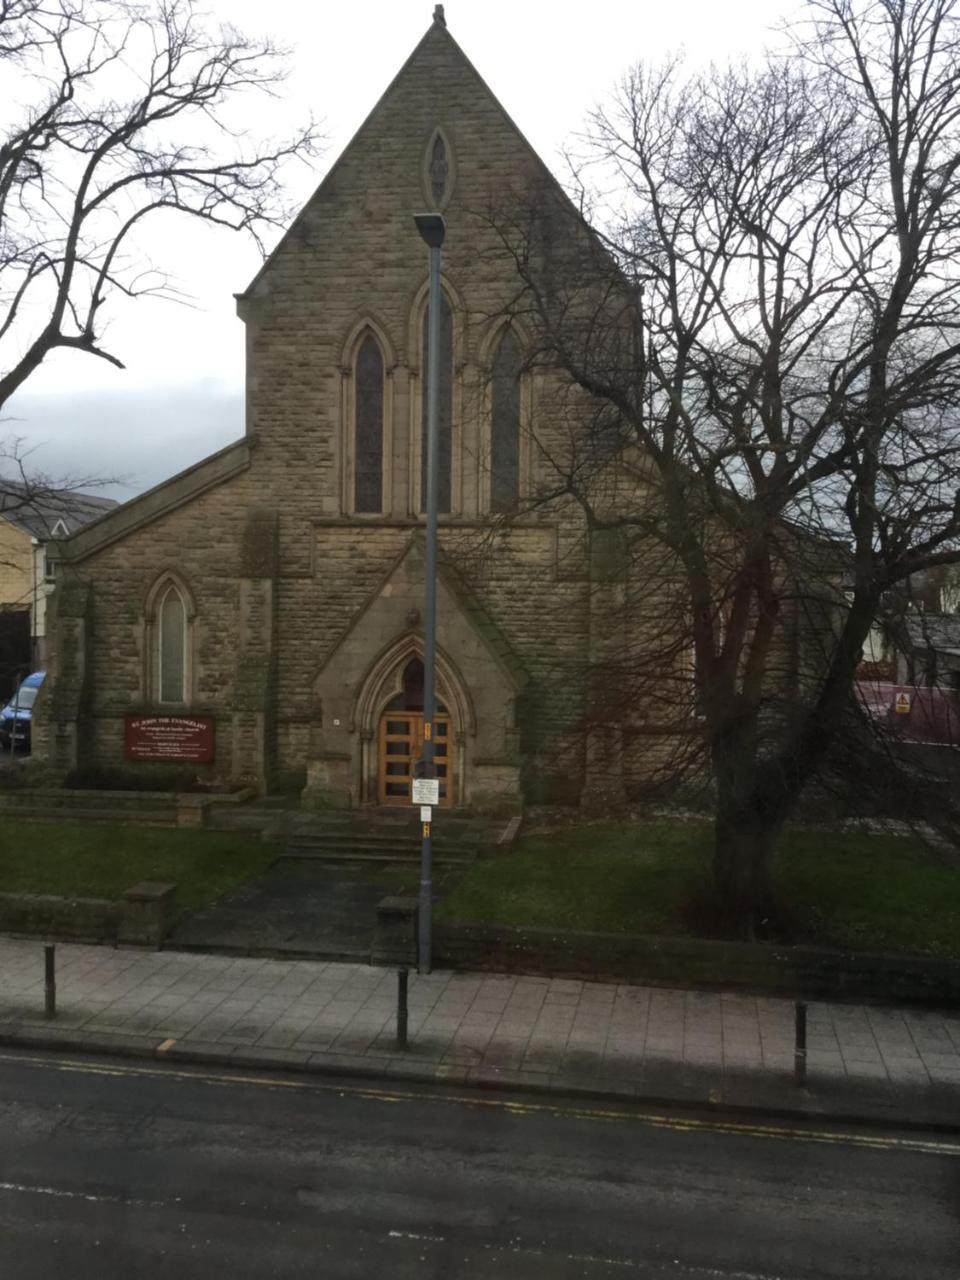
(432, 230)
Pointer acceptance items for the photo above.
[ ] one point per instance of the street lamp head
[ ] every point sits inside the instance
(431, 227)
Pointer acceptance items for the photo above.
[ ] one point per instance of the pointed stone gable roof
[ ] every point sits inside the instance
(467, 603)
(163, 498)
(436, 40)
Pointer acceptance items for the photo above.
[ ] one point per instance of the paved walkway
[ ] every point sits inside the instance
(288, 908)
(901, 1063)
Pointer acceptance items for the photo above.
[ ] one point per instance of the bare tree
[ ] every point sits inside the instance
(757, 303)
(116, 111)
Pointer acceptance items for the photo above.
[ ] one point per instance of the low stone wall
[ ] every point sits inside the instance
(141, 918)
(72, 919)
(149, 808)
(683, 962)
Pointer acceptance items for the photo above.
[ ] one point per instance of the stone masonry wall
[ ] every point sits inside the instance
(354, 256)
(201, 542)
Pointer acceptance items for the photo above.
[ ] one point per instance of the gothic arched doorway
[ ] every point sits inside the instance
(400, 742)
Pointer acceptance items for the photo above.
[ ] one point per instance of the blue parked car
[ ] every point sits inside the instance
(16, 716)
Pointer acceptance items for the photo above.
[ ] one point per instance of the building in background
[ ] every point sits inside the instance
(930, 651)
(916, 641)
(33, 520)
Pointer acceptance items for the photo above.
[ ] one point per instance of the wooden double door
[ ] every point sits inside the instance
(399, 748)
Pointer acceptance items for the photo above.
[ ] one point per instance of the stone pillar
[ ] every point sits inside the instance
(255, 681)
(395, 938)
(605, 701)
(147, 909)
(60, 732)
(191, 810)
(398, 497)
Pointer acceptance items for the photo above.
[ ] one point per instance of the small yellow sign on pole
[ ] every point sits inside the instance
(902, 704)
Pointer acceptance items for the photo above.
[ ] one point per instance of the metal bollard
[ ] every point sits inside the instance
(402, 975)
(800, 1044)
(50, 979)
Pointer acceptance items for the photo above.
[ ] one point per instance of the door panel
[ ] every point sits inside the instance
(400, 744)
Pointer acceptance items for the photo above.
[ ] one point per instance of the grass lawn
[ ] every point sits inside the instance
(83, 860)
(846, 889)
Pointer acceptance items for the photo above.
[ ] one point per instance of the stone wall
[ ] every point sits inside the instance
(353, 258)
(46, 916)
(747, 966)
(201, 540)
(141, 919)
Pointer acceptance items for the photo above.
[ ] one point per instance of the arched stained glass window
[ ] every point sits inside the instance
(368, 438)
(445, 412)
(172, 642)
(505, 426)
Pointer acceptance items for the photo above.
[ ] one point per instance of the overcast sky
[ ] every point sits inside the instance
(180, 396)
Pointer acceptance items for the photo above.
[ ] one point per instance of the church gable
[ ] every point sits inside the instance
(437, 138)
(336, 319)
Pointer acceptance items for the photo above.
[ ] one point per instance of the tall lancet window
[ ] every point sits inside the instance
(368, 427)
(445, 414)
(505, 426)
(172, 647)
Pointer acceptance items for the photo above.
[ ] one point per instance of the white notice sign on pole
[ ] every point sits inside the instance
(426, 791)
(426, 813)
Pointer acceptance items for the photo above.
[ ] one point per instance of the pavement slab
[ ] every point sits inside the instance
(615, 1039)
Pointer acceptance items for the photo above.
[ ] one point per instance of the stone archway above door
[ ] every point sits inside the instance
(478, 679)
(386, 687)
(384, 680)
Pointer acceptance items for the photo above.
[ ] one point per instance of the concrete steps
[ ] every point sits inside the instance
(399, 855)
(385, 838)
(345, 846)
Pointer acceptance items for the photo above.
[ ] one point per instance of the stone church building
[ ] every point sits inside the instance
(271, 594)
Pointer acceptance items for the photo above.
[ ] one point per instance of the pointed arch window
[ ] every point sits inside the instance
(168, 621)
(445, 412)
(368, 426)
(439, 169)
(172, 646)
(505, 425)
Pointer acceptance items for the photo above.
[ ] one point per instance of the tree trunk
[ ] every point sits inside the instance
(742, 865)
(747, 823)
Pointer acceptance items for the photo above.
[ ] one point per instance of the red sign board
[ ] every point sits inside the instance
(168, 738)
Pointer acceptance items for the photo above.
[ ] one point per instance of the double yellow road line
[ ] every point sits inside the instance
(599, 1112)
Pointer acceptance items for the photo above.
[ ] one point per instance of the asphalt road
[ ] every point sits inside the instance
(130, 1170)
